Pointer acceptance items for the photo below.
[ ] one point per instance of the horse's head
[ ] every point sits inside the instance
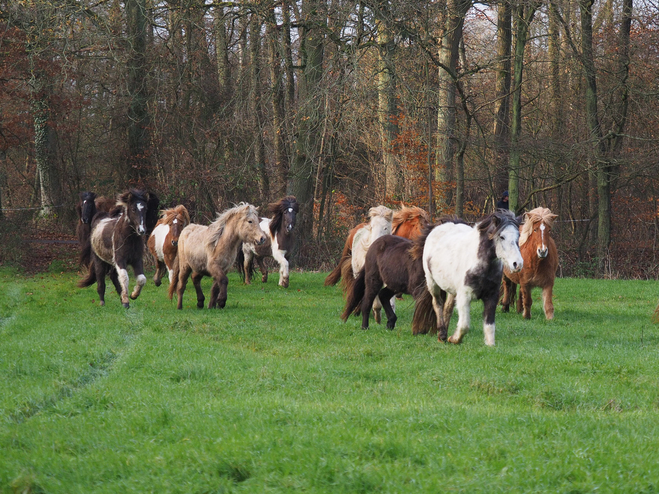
(249, 229)
(177, 218)
(380, 224)
(537, 229)
(285, 215)
(503, 229)
(87, 207)
(134, 205)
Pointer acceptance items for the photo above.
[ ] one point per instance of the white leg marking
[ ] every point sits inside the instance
(123, 281)
(488, 331)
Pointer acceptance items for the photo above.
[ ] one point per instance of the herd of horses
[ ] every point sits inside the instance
(441, 264)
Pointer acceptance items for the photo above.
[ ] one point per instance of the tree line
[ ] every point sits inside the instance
(441, 104)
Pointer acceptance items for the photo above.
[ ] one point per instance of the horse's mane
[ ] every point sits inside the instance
(416, 250)
(216, 228)
(169, 215)
(532, 217)
(408, 213)
(278, 209)
(383, 211)
(125, 198)
(497, 221)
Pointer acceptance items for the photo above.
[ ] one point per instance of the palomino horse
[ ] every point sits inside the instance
(117, 241)
(163, 241)
(540, 264)
(392, 266)
(408, 222)
(466, 263)
(211, 251)
(280, 232)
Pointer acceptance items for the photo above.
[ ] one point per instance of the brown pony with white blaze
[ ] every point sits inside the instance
(540, 264)
(211, 251)
(408, 222)
(117, 241)
(163, 241)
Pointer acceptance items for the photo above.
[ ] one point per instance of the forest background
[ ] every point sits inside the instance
(440, 104)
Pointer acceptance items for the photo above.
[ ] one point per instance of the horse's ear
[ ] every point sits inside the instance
(152, 204)
(123, 199)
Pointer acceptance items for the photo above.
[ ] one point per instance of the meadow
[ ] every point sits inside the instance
(275, 394)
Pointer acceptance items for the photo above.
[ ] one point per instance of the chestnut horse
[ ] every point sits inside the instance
(407, 222)
(117, 241)
(211, 251)
(393, 265)
(280, 232)
(540, 264)
(463, 263)
(163, 241)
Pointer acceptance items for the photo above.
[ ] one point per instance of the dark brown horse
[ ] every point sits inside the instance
(163, 241)
(408, 222)
(280, 232)
(393, 265)
(86, 209)
(117, 241)
(540, 264)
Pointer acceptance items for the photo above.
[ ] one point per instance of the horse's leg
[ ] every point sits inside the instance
(463, 302)
(438, 300)
(115, 280)
(373, 286)
(489, 311)
(527, 300)
(264, 270)
(385, 296)
(223, 283)
(160, 272)
(505, 303)
(377, 307)
(122, 275)
(283, 267)
(248, 255)
(196, 281)
(183, 275)
(548, 304)
(100, 281)
(519, 303)
(140, 279)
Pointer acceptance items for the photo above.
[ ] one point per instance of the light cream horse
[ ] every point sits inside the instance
(212, 250)
(379, 225)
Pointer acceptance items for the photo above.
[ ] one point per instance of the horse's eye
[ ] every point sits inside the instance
(250, 221)
(503, 239)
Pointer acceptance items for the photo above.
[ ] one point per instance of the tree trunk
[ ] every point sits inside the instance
(255, 108)
(446, 112)
(523, 16)
(387, 112)
(138, 116)
(554, 44)
(310, 101)
(502, 94)
(277, 95)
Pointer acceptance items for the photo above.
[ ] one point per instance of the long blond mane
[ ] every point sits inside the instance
(236, 213)
(531, 218)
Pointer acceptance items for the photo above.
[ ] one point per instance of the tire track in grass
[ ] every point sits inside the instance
(98, 368)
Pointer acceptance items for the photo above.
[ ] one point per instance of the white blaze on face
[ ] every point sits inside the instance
(141, 228)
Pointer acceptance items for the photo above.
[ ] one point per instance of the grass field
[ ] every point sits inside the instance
(276, 394)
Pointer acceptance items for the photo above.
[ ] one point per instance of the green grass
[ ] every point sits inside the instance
(275, 394)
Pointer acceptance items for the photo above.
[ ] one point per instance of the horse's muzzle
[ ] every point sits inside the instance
(174, 243)
(542, 253)
(141, 230)
(516, 266)
(289, 228)
(262, 240)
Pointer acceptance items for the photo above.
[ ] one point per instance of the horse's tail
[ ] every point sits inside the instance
(355, 295)
(173, 282)
(347, 277)
(424, 320)
(90, 279)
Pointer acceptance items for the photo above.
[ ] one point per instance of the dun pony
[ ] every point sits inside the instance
(211, 251)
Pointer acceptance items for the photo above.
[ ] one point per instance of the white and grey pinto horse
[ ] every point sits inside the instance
(279, 229)
(464, 263)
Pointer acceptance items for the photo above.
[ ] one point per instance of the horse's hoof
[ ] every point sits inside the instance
(101, 303)
(133, 297)
(264, 279)
(364, 329)
(284, 283)
(200, 305)
(377, 316)
(126, 305)
(455, 341)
